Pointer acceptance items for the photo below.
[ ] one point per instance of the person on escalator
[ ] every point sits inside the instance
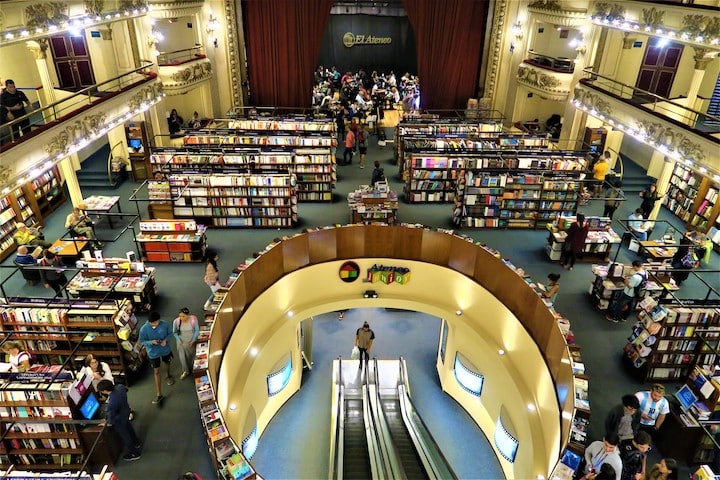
(364, 338)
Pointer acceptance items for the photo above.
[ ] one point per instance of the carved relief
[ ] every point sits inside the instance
(610, 11)
(593, 101)
(701, 25)
(5, 173)
(42, 15)
(2, 20)
(653, 17)
(193, 74)
(130, 5)
(701, 57)
(675, 140)
(94, 7)
(494, 57)
(75, 131)
(537, 79)
(38, 48)
(546, 4)
(147, 94)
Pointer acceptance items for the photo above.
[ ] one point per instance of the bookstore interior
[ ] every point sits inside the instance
(233, 166)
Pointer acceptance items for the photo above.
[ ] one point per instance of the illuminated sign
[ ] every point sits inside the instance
(349, 272)
(505, 442)
(467, 377)
(350, 40)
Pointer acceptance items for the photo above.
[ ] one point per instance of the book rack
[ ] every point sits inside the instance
(598, 244)
(171, 241)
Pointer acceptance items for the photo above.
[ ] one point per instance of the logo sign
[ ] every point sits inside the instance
(349, 272)
(350, 40)
(388, 275)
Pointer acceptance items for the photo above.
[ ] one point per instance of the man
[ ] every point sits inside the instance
(624, 419)
(613, 197)
(635, 224)
(156, 335)
(118, 416)
(605, 451)
(364, 338)
(30, 236)
(79, 224)
(12, 106)
(633, 454)
(653, 408)
(23, 257)
(628, 295)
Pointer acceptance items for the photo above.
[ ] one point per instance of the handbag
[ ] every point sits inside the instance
(355, 354)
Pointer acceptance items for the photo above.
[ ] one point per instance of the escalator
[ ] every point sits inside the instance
(356, 455)
(406, 451)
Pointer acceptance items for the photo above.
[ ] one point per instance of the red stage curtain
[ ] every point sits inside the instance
(449, 35)
(282, 40)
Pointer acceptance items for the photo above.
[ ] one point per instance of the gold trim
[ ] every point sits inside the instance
(496, 34)
(82, 128)
(42, 15)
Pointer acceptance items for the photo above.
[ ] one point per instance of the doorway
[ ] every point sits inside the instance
(657, 71)
(72, 62)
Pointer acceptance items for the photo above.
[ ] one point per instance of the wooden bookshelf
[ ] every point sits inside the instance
(171, 241)
(682, 190)
(45, 193)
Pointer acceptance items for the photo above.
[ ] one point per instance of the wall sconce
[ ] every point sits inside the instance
(155, 37)
(579, 46)
(212, 25)
(517, 31)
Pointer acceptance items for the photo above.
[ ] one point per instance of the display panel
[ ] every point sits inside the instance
(686, 397)
(506, 444)
(250, 444)
(89, 407)
(443, 340)
(467, 377)
(279, 380)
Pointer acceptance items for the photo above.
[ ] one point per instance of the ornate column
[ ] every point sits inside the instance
(701, 62)
(68, 166)
(39, 50)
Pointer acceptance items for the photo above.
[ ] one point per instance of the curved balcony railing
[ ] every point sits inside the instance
(40, 119)
(555, 64)
(671, 110)
(178, 57)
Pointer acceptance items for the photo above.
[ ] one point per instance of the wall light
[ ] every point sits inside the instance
(370, 294)
(516, 30)
(212, 25)
(578, 45)
(155, 37)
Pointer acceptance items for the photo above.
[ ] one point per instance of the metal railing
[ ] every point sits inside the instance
(177, 57)
(650, 101)
(556, 64)
(64, 108)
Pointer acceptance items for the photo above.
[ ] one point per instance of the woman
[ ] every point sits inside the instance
(97, 370)
(175, 122)
(212, 274)
(665, 470)
(574, 242)
(53, 277)
(362, 144)
(18, 358)
(649, 198)
(677, 264)
(186, 331)
(553, 287)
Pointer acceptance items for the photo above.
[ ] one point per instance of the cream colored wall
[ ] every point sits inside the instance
(710, 79)
(18, 63)
(684, 73)
(636, 150)
(538, 107)
(266, 332)
(177, 34)
(102, 54)
(549, 42)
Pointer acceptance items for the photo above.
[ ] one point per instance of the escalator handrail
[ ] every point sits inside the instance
(393, 466)
(377, 464)
(432, 458)
(335, 471)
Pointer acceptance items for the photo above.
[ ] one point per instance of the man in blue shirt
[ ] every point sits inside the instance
(25, 258)
(155, 335)
(616, 312)
(635, 224)
(118, 416)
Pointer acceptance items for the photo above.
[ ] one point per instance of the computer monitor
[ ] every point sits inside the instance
(686, 397)
(89, 407)
(571, 459)
(135, 143)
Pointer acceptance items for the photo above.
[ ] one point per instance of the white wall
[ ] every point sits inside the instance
(178, 35)
(18, 63)
(548, 42)
(685, 72)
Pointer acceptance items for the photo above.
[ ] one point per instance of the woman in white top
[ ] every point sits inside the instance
(97, 370)
(18, 358)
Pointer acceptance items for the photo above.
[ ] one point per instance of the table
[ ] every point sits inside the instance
(658, 250)
(101, 204)
(68, 248)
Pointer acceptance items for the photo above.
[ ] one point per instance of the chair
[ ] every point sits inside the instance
(31, 275)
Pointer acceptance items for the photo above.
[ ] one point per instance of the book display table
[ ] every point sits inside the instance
(368, 205)
(598, 244)
(101, 204)
(658, 250)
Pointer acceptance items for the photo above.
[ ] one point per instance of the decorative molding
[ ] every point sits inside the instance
(653, 17)
(553, 12)
(148, 93)
(628, 41)
(94, 7)
(130, 5)
(498, 25)
(42, 15)
(232, 40)
(610, 11)
(178, 80)
(594, 101)
(674, 139)
(545, 83)
(106, 33)
(2, 20)
(182, 8)
(75, 131)
(546, 5)
(5, 174)
(701, 58)
(38, 47)
(701, 25)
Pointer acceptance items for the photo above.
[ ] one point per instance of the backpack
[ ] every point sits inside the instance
(642, 286)
(688, 261)
(176, 323)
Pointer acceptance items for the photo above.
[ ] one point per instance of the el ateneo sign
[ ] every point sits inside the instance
(350, 40)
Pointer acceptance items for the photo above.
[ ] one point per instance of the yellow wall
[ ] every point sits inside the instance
(18, 63)
(549, 42)
(684, 73)
(102, 55)
(266, 332)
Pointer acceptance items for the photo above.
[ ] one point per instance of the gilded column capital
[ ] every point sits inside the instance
(38, 47)
(701, 60)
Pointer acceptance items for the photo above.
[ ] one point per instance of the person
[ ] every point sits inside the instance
(649, 199)
(79, 224)
(212, 273)
(681, 272)
(613, 197)
(553, 287)
(175, 122)
(97, 370)
(364, 338)
(195, 121)
(667, 469)
(349, 147)
(624, 419)
(118, 417)
(12, 106)
(25, 235)
(635, 225)
(607, 472)
(186, 330)
(155, 334)
(574, 242)
(628, 295)
(378, 174)
(18, 357)
(53, 277)
(653, 408)
(362, 135)
(633, 454)
(601, 452)
(23, 256)
(599, 171)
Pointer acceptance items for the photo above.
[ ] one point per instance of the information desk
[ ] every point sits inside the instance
(101, 204)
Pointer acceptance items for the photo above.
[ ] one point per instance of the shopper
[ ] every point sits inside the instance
(79, 224)
(212, 274)
(118, 416)
(633, 454)
(624, 419)
(175, 122)
(574, 242)
(364, 338)
(601, 452)
(378, 174)
(680, 263)
(54, 275)
(156, 335)
(23, 256)
(632, 291)
(18, 357)
(649, 199)
(349, 147)
(97, 370)
(606, 472)
(12, 107)
(635, 223)
(613, 197)
(599, 171)
(667, 469)
(25, 235)
(653, 408)
(186, 330)
(362, 146)
(552, 288)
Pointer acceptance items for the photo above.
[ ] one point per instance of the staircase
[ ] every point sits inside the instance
(93, 171)
(634, 179)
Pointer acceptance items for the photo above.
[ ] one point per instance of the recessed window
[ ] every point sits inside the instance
(277, 381)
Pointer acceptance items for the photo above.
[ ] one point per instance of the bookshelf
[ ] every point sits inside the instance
(45, 193)
(138, 148)
(8, 225)
(662, 345)
(682, 190)
(236, 200)
(609, 281)
(171, 241)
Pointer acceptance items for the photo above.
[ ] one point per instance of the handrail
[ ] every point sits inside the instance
(179, 56)
(377, 466)
(337, 444)
(54, 111)
(556, 64)
(393, 467)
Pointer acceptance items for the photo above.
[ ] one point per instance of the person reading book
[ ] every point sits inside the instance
(18, 358)
(553, 287)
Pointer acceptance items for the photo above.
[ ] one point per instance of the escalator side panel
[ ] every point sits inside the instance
(356, 460)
